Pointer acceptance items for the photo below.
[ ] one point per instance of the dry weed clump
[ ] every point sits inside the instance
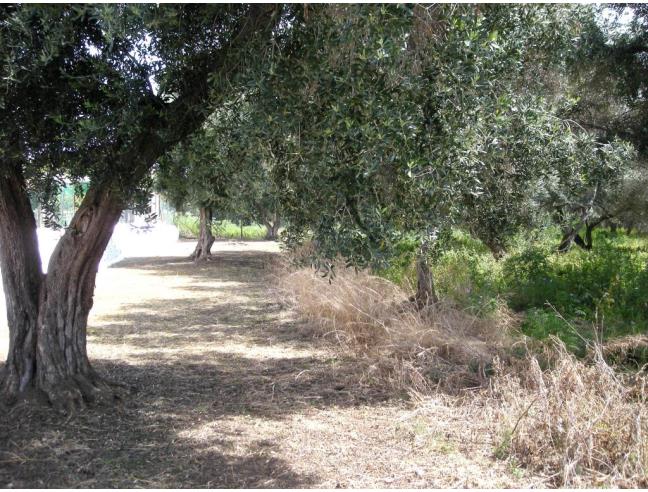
(414, 350)
(577, 422)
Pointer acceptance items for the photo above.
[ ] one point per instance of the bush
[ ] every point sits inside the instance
(225, 229)
(188, 226)
(607, 285)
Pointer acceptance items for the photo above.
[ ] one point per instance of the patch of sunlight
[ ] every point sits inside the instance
(203, 432)
(158, 350)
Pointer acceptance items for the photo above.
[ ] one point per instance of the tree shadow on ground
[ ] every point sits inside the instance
(175, 265)
(209, 374)
(133, 445)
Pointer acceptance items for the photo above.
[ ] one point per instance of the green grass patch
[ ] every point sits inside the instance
(600, 293)
(189, 228)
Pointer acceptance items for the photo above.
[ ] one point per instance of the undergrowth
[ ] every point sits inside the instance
(574, 421)
(369, 315)
(577, 296)
(578, 422)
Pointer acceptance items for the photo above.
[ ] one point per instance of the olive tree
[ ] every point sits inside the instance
(197, 173)
(404, 121)
(95, 93)
(220, 169)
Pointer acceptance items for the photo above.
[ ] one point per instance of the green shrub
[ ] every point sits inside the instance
(188, 226)
(224, 229)
(608, 284)
(603, 290)
(542, 323)
(401, 269)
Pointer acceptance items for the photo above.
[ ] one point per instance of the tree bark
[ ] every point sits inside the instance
(570, 237)
(497, 249)
(425, 292)
(22, 279)
(206, 238)
(48, 314)
(64, 372)
(588, 235)
(272, 229)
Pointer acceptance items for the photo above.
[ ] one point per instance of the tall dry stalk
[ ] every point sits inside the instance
(373, 318)
(578, 422)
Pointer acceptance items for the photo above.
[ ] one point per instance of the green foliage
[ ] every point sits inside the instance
(468, 274)
(580, 294)
(218, 168)
(189, 228)
(400, 269)
(97, 93)
(396, 122)
(197, 172)
(543, 323)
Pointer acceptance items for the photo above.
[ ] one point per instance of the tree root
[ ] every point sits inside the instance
(73, 394)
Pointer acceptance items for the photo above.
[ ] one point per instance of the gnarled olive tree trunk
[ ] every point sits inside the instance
(425, 292)
(22, 280)
(570, 237)
(205, 238)
(48, 314)
(63, 368)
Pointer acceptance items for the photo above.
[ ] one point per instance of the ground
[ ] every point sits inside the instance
(230, 390)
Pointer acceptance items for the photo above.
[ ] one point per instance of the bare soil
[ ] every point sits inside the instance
(230, 390)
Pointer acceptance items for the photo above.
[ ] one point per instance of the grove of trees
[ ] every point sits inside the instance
(351, 126)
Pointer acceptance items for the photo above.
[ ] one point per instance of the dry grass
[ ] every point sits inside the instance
(574, 423)
(234, 392)
(581, 423)
(623, 347)
(439, 347)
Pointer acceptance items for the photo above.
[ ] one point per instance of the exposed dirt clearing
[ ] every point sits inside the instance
(232, 391)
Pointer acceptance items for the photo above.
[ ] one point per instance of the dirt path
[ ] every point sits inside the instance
(233, 392)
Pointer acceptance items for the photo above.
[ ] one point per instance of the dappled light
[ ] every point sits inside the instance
(228, 389)
(254, 245)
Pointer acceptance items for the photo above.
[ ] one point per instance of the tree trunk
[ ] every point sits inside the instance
(588, 235)
(272, 229)
(60, 369)
(567, 240)
(497, 249)
(206, 238)
(64, 371)
(570, 237)
(22, 279)
(425, 291)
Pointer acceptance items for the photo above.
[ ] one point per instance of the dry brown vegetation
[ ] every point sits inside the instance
(581, 423)
(570, 422)
(413, 350)
(232, 390)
